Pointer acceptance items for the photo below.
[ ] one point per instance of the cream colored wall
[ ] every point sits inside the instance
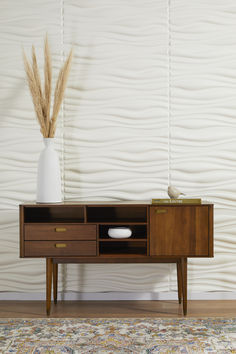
(151, 100)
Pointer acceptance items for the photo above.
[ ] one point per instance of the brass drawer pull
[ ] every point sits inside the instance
(161, 211)
(60, 245)
(60, 229)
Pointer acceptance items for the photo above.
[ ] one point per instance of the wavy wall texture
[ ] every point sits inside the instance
(203, 129)
(150, 100)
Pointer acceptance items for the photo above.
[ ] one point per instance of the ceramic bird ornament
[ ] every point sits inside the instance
(173, 192)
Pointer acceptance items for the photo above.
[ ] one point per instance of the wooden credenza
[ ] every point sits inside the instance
(78, 233)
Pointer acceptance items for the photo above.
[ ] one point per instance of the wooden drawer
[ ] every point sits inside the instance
(60, 248)
(59, 232)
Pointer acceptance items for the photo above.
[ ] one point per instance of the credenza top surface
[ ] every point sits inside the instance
(109, 203)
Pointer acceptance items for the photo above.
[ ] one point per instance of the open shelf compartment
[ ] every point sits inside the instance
(138, 232)
(52, 214)
(117, 214)
(123, 248)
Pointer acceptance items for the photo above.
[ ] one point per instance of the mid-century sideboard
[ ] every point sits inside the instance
(78, 233)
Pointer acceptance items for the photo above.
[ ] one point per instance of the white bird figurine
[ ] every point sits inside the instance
(173, 192)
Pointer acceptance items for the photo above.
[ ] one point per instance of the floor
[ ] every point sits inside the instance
(114, 309)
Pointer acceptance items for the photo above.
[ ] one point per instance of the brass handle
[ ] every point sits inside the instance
(60, 245)
(160, 211)
(60, 229)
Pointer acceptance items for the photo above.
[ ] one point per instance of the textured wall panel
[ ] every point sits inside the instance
(203, 128)
(22, 24)
(115, 117)
(116, 277)
(115, 123)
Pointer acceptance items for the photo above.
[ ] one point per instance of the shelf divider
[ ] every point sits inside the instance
(123, 239)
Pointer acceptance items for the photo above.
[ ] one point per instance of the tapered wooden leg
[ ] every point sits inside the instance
(184, 283)
(48, 284)
(179, 280)
(55, 280)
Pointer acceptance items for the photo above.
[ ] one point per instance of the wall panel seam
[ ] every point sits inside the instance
(169, 106)
(63, 105)
(169, 88)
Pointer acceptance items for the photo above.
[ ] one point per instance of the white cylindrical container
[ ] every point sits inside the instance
(49, 175)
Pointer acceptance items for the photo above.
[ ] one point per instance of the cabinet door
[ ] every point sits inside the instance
(179, 231)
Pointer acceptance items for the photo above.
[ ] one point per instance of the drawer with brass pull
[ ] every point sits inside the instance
(59, 232)
(58, 248)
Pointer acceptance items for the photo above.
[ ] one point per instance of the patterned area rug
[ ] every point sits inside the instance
(210, 335)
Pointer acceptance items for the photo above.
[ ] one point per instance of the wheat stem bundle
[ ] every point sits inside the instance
(59, 92)
(42, 99)
(47, 81)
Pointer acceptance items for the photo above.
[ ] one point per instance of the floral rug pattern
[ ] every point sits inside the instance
(137, 336)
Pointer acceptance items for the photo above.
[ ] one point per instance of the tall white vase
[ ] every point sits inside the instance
(49, 176)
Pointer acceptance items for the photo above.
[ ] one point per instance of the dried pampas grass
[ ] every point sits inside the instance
(42, 100)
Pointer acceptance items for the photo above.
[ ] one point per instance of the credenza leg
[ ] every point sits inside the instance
(184, 283)
(179, 280)
(55, 280)
(48, 284)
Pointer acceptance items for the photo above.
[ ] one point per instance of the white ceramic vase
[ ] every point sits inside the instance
(49, 176)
